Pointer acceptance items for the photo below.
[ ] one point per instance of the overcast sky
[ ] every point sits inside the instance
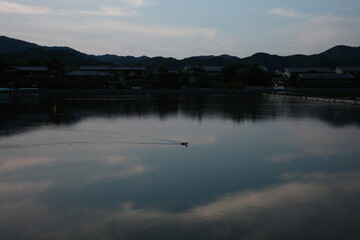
(183, 28)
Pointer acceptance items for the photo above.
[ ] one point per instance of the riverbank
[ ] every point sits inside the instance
(332, 93)
(95, 92)
(338, 93)
(317, 99)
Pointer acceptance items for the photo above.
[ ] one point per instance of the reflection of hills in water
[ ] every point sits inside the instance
(22, 114)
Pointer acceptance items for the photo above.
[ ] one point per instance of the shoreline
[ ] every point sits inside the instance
(334, 93)
(316, 99)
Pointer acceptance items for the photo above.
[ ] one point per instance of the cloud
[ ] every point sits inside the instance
(7, 7)
(324, 32)
(150, 39)
(134, 31)
(104, 11)
(155, 30)
(135, 3)
(314, 32)
(286, 12)
(97, 30)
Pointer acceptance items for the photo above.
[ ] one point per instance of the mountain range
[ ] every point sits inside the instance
(21, 52)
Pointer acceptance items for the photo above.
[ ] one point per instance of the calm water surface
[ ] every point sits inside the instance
(114, 168)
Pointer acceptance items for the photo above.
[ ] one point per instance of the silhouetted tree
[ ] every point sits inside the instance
(56, 73)
(240, 76)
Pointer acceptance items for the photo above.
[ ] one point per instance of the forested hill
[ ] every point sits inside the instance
(336, 56)
(24, 53)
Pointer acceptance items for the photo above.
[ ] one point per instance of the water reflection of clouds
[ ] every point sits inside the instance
(73, 167)
(118, 174)
(10, 164)
(112, 160)
(283, 158)
(23, 188)
(106, 190)
(312, 139)
(305, 206)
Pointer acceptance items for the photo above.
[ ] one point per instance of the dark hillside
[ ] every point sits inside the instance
(22, 52)
(8, 45)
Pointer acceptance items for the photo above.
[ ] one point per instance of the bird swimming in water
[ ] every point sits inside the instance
(184, 144)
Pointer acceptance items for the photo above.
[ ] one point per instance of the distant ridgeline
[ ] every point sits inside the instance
(24, 64)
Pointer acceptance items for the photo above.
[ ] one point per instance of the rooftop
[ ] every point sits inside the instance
(349, 69)
(86, 73)
(213, 68)
(307, 70)
(205, 68)
(31, 68)
(326, 75)
(110, 68)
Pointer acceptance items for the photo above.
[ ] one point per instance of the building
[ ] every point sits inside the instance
(112, 77)
(326, 80)
(294, 72)
(26, 77)
(355, 71)
(351, 70)
(278, 83)
(129, 73)
(212, 73)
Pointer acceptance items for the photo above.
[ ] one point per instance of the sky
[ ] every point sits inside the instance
(174, 28)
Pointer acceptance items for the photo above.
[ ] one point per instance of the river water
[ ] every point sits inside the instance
(255, 167)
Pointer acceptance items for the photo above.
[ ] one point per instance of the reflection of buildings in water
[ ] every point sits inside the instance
(26, 111)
